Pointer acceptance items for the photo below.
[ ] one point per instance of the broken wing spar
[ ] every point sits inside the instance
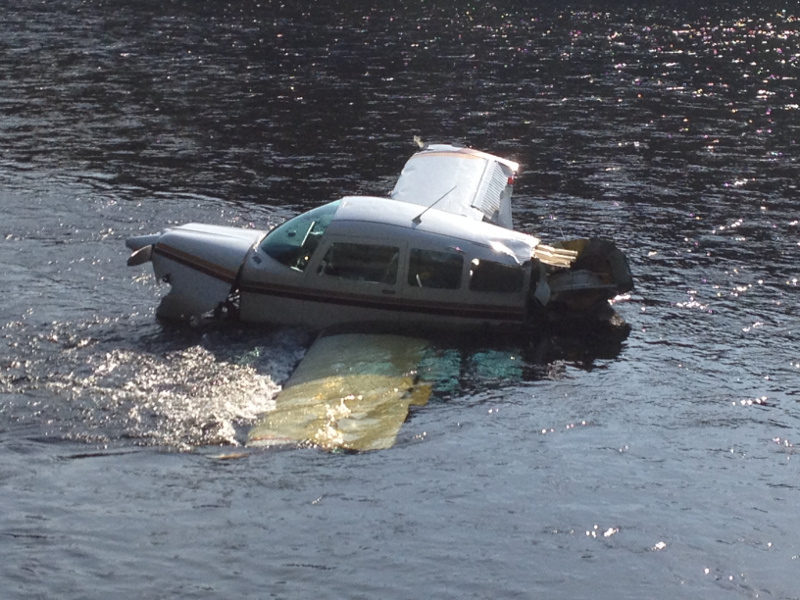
(556, 257)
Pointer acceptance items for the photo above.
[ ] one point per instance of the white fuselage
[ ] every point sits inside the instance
(375, 264)
(439, 252)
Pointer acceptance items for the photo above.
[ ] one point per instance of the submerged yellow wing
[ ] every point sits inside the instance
(350, 391)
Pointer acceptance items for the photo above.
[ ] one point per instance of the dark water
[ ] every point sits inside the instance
(661, 467)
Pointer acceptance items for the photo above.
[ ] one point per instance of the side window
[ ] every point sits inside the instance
(432, 269)
(361, 262)
(488, 276)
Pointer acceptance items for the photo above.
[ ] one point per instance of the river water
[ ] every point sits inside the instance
(661, 466)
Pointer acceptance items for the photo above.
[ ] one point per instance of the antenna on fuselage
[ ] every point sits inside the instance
(418, 219)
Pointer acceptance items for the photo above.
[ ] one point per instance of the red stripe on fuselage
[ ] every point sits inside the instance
(198, 264)
(449, 309)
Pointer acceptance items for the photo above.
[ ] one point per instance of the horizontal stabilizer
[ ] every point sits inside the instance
(460, 181)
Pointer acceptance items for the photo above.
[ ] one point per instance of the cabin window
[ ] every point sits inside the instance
(432, 269)
(361, 262)
(489, 276)
(292, 243)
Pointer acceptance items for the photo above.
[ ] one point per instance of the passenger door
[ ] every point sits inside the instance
(354, 281)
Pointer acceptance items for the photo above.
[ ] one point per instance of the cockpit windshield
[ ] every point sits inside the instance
(292, 243)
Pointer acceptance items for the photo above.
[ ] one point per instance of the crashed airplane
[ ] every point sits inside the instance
(439, 252)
